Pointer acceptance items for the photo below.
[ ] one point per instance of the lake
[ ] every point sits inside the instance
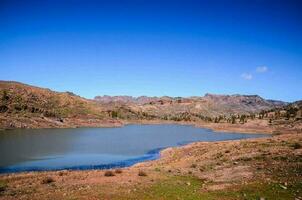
(96, 148)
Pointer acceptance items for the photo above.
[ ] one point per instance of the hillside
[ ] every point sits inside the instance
(210, 105)
(25, 106)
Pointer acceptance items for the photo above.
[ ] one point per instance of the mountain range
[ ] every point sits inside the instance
(30, 106)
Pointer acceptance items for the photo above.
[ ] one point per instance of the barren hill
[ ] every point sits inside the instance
(23, 105)
(210, 105)
(21, 98)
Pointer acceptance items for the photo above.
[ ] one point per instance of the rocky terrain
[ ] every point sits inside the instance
(210, 105)
(263, 168)
(25, 106)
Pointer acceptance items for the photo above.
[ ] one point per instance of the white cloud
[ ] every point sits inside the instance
(246, 76)
(261, 69)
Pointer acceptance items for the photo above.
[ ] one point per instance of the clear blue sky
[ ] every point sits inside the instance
(155, 48)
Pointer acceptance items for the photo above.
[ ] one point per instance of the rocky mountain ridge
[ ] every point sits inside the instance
(30, 106)
(210, 105)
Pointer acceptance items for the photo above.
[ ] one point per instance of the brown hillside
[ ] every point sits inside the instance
(25, 106)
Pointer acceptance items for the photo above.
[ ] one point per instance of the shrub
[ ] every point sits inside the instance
(3, 186)
(246, 158)
(118, 171)
(62, 173)
(193, 165)
(296, 146)
(157, 169)
(233, 120)
(114, 114)
(109, 173)
(3, 108)
(47, 180)
(5, 96)
(142, 173)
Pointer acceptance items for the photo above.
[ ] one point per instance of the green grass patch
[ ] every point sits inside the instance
(257, 190)
(191, 188)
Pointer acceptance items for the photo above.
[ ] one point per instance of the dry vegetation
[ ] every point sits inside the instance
(264, 168)
(24, 106)
(248, 169)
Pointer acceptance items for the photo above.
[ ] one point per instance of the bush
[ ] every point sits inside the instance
(109, 173)
(142, 173)
(157, 169)
(193, 165)
(114, 114)
(233, 120)
(3, 108)
(5, 96)
(297, 145)
(47, 180)
(246, 158)
(3, 186)
(118, 171)
(62, 173)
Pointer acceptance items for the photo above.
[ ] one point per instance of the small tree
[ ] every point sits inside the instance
(5, 96)
(114, 114)
(242, 119)
(233, 120)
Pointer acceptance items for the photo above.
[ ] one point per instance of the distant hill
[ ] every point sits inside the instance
(22, 105)
(210, 105)
(125, 99)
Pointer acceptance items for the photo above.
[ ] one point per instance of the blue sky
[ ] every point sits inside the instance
(154, 48)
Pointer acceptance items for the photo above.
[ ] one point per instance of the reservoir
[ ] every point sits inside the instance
(96, 148)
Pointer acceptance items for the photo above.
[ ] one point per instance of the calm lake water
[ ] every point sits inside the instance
(96, 148)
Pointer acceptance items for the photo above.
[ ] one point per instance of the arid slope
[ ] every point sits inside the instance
(25, 106)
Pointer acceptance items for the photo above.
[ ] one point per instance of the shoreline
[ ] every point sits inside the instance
(260, 128)
(151, 155)
(209, 126)
(219, 164)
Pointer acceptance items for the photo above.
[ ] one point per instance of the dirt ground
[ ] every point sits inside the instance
(267, 168)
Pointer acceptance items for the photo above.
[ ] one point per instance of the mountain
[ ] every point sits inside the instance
(210, 105)
(21, 98)
(125, 99)
(23, 105)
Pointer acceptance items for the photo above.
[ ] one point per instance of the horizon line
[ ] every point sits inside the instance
(137, 96)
